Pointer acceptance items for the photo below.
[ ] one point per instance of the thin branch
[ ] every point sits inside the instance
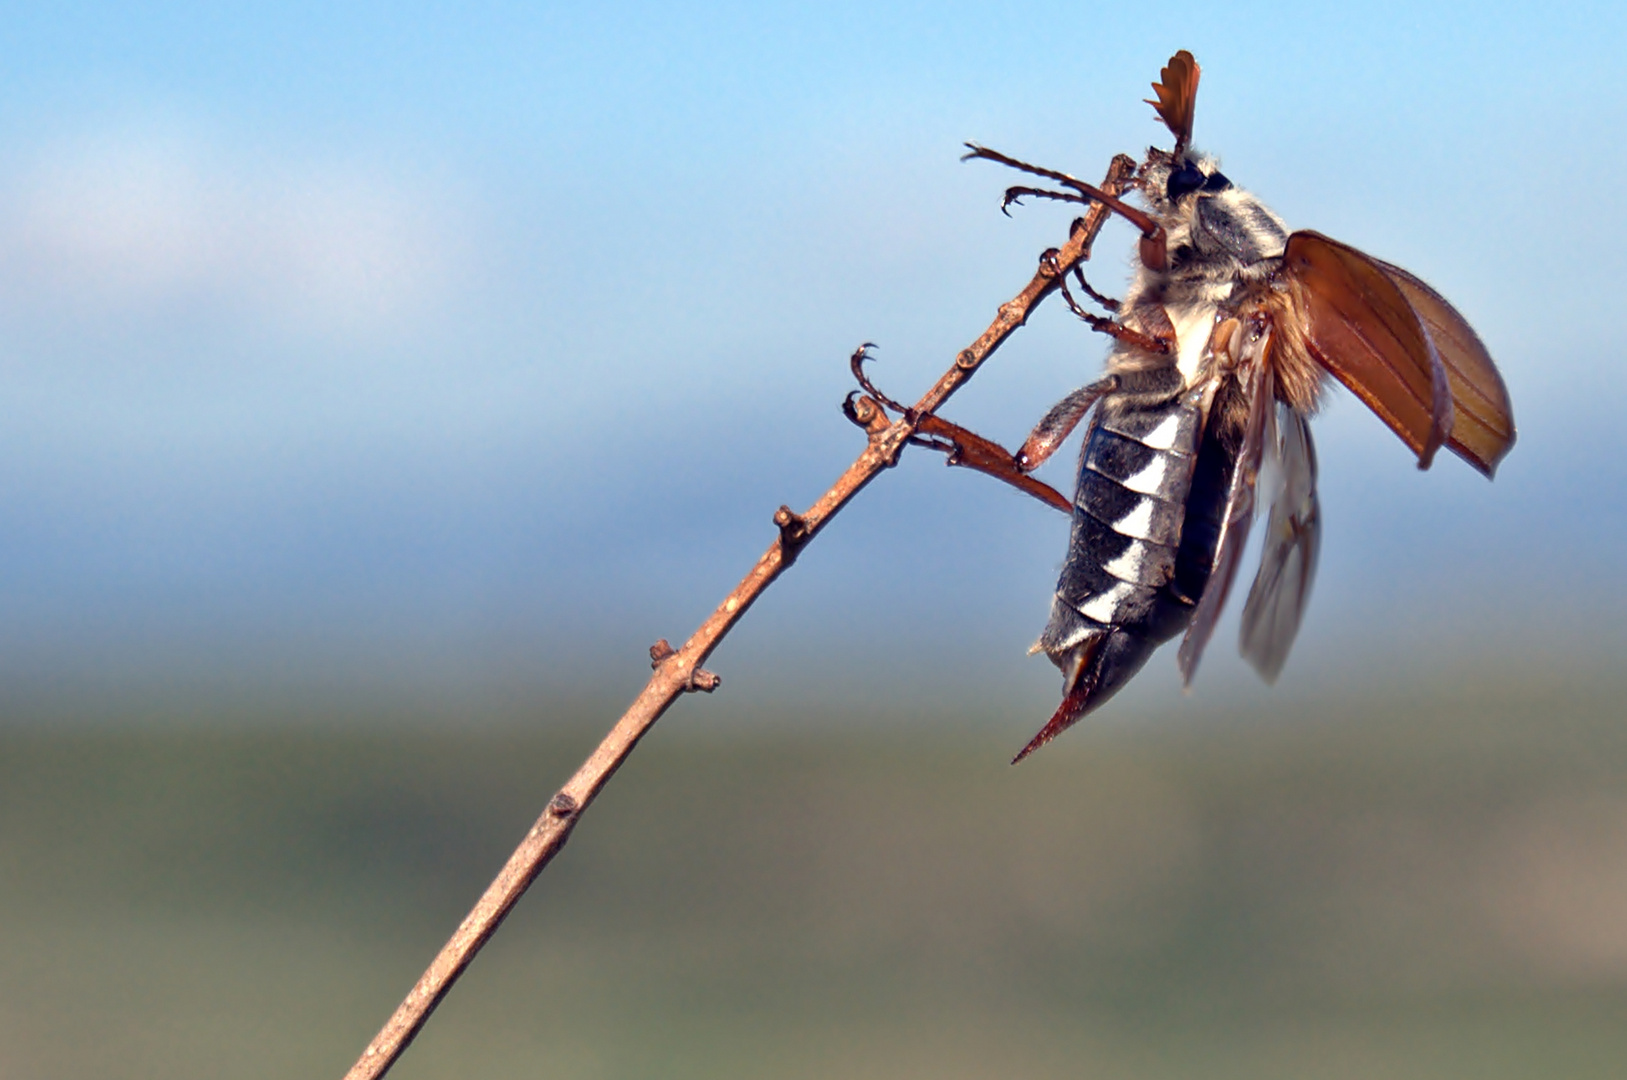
(680, 671)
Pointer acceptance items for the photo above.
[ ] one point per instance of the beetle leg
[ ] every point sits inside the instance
(1015, 195)
(1128, 335)
(1106, 301)
(1153, 247)
(1159, 343)
(855, 363)
(1055, 427)
(962, 446)
(972, 451)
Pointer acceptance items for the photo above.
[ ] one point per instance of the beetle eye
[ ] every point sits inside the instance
(1183, 181)
(1217, 182)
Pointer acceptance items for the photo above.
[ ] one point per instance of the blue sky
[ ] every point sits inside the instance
(435, 348)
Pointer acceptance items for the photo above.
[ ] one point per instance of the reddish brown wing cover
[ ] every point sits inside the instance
(1177, 90)
(1401, 348)
(1357, 324)
(1482, 418)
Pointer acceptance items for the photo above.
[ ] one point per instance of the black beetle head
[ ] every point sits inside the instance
(1189, 178)
(1183, 181)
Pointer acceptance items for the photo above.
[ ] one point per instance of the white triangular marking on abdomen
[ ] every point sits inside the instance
(1150, 480)
(1163, 436)
(1137, 522)
(1127, 566)
(1103, 607)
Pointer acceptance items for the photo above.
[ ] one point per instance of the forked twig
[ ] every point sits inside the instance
(677, 672)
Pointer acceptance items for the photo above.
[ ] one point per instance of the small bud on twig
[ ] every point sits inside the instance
(793, 530)
(699, 679)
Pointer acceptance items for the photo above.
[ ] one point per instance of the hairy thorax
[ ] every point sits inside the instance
(1223, 247)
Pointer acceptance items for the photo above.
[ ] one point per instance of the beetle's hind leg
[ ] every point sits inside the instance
(961, 446)
(973, 451)
(1055, 426)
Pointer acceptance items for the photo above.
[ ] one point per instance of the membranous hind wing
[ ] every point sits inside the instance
(1238, 516)
(1293, 539)
(1399, 346)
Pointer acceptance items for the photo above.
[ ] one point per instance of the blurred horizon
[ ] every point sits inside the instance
(1422, 885)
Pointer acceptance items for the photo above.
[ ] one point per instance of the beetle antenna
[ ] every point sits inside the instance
(1177, 90)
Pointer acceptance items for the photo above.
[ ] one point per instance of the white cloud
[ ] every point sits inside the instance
(147, 221)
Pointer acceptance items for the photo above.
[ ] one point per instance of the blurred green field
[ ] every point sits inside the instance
(1429, 884)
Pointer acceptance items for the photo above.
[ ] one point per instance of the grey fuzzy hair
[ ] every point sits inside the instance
(1216, 240)
(1219, 243)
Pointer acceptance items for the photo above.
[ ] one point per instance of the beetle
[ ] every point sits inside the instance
(1221, 350)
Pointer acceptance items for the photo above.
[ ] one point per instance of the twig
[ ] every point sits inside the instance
(677, 672)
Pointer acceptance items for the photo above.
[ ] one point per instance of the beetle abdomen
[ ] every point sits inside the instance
(1134, 479)
(1117, 599)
